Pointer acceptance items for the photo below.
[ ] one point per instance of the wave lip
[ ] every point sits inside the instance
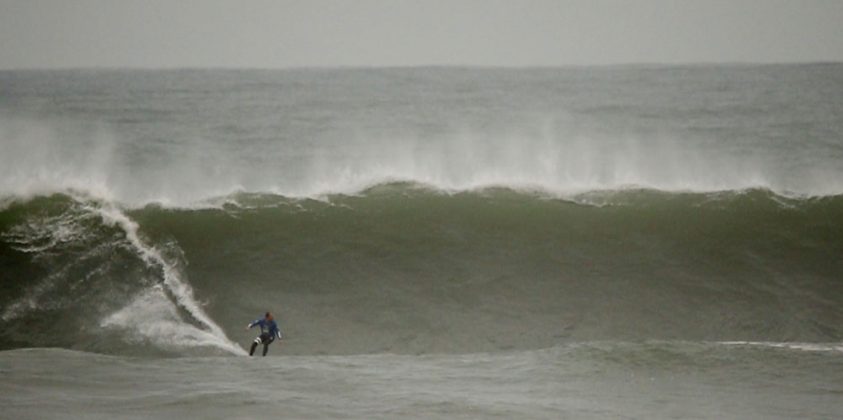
(238, 196)
(625, 194)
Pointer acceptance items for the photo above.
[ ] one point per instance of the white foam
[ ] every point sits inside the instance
(813, 347)
(39, 234)
(153, 317)
(175, 285)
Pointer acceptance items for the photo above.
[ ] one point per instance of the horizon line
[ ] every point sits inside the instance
(642, 64)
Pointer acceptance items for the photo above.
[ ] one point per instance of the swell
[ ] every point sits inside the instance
(409, 269)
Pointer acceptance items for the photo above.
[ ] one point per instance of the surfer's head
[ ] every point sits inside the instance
(268, 315)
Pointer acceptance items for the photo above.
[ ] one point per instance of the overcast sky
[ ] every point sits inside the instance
(244, 33)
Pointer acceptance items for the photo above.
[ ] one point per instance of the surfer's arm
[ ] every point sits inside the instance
(252, 324)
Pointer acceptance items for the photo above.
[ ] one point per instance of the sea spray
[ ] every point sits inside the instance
(302, 135)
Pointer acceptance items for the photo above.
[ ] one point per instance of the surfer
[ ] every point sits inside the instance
(269, 331)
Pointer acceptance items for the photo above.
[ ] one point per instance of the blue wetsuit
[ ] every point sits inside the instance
(269, 331)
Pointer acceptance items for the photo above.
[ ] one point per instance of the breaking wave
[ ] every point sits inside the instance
(407, 268)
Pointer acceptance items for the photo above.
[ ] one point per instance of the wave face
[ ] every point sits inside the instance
(403, 268)
(420, 210)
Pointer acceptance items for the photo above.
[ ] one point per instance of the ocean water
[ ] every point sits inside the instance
(608, 242)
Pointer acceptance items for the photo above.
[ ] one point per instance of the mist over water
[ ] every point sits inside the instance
(182, 137)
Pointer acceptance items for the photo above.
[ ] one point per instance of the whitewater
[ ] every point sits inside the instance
(607, 242)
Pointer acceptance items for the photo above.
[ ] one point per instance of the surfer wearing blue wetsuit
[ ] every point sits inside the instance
(269, 331)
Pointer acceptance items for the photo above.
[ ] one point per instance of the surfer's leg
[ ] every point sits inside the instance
(254, 345)
(264, 339)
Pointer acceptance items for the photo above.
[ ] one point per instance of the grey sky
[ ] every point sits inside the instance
(178, 33)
